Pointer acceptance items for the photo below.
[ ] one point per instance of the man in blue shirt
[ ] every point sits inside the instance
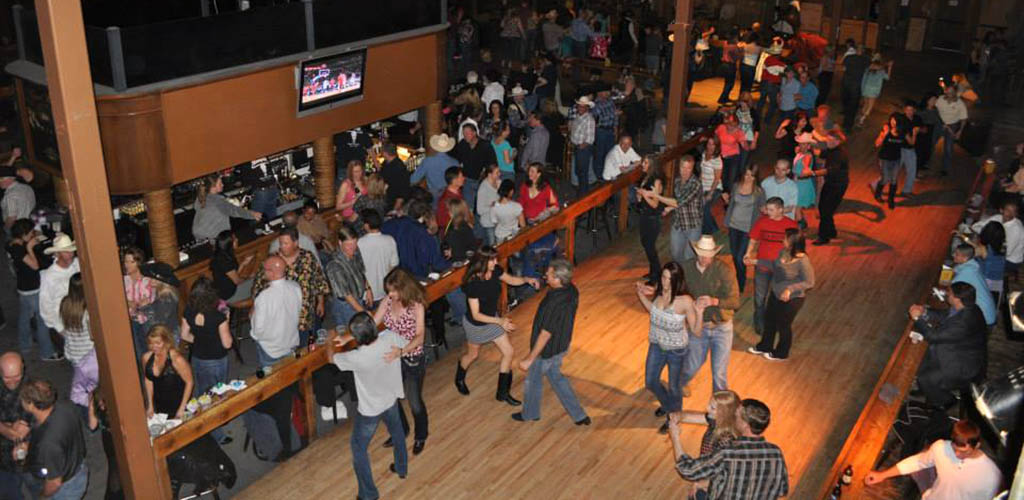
(788, 90)
(418, 249)
(808, 94)
(433, 167)
(967, 270)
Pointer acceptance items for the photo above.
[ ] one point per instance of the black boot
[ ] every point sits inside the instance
(892, 196)
(504, 384)
(878, 191)
(460, 379)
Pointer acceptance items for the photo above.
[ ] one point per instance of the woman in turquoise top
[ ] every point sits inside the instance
(503, 150)
(803, 170)
(871, 86)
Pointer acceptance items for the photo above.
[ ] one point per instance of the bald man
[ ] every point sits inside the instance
(15, 422)
(275, 314)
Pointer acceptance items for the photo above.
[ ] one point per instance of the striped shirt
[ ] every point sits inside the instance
(604, 112)
(78, 343)
(347, 276)
(748, 468)
(688, 214)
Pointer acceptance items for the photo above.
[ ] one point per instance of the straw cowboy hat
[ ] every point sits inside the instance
(62, 243)
(517, 91)
(705, 246)
(585, 101)
(805, 138)
(442, 143)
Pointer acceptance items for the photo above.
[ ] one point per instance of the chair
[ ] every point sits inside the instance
(239, 325)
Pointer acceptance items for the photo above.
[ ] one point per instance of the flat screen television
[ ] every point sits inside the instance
(330, 81)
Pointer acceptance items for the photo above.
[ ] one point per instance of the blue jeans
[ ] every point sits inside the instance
(738, 243)
(341, 311)
(708, 225)
(679, 243)
(266, 359)
(469, 190)
(717, 339)
(604, 141)
(908, 158)
(890, 171)
(457, 300)
(489, 238)
(362, 431)
(769, 95)
(584, 156)
(552, 369)
(208, 373)
(139, 339)
(671, 399)
(29, 308)
(264, 201)
(538, 255)
(10, 485)
(72, 489)
(948, 145)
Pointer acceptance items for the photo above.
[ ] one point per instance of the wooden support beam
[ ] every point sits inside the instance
(432, 119)
(162, 233)
(570, 241)
(623, 209)
(325, 168)
(676, 93)
(62, 33)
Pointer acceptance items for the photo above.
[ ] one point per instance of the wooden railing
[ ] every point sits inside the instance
(301, 370)
(869, 433)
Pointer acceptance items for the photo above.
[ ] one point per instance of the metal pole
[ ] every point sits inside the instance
(62, 33)
(310, 30)
(17, 10)
(120, 80)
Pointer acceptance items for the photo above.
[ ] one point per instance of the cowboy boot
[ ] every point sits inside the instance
(892, 196)
(460, 379)
(878, 191)
(504, 385)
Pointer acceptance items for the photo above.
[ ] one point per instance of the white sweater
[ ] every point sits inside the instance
(53, 286)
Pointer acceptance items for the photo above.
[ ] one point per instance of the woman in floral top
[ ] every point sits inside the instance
(138, 289)
(402, 312)
(304, 269)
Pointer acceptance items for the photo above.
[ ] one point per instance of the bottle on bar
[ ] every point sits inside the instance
(837, 492)
(847, 476)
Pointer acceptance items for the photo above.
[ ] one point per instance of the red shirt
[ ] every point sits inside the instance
(772, 60)
(769, 235)
(532, 207)
(730, 141)
(442, 207)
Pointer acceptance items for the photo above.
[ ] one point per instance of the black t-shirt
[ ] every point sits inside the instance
(556, 314)
(474, 159)
(207, 344)
(27, 278)
(58, 444)
(460, 239)
(837, 163)
(909, 125)
(397, 177)
(487, 292)
(221, 282)
(854, 67)
(891, 146)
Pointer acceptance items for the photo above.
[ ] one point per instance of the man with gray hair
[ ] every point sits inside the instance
(549, 341)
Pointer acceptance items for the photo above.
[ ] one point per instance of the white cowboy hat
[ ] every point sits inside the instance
(805, 138)
(442, 143)
(585, 101)
(517, 90)
(62, 243)
(705, 246)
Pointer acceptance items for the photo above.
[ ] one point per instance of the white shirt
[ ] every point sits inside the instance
(506, 219)
(616, 159)
(275, 317)
(378, 382)
(951, 112)
(708, 167)
(786, 190)
(975, 478)
(486, 197)
(1014, 236)
(380, 256)
(494, 91)
(53, 286)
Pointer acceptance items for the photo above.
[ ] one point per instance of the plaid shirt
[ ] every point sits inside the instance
(604, 112)
(581, 130)
(690, 198)
(745, 469)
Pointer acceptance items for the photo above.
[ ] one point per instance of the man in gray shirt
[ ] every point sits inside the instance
(536, 148)
(19, 200)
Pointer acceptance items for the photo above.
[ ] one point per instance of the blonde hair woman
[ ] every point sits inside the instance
(374, 198)
(720, 417)
(168, 376)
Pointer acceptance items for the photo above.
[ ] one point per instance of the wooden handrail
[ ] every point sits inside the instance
(865, 441)
(301, 370)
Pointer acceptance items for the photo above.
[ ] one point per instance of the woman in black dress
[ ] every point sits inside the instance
(788, 130)
(231, 279)
(206, 328)
(168, 375)
(649, 208)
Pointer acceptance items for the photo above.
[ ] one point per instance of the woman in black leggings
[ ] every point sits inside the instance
(649, 208)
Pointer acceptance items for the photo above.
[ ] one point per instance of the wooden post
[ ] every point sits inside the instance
(837, 20)
(62, 34)
(309, 404)
(323, 164)
(60, 192)
(677, 82)
(432, 118)
(570, 241)
(623, 210)
(162, 233)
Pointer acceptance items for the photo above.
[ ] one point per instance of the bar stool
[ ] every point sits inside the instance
(238, 323)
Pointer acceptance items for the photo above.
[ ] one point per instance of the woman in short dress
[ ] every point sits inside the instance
(483, 324)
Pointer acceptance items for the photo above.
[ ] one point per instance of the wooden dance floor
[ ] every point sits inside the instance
(843, 337)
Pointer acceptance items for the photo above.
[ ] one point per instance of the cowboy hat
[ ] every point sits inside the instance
(8, 172)
(776, 47)
(585, 101)
(805, 138)
(442, 143)
(517, 91)
(705, 246)
(62, 243)
(161, 272)
(472, 77)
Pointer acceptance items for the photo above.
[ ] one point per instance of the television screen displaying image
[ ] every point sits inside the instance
(331, 79)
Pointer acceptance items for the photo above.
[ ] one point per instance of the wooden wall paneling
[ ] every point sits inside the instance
(325, 171)
(134, 146)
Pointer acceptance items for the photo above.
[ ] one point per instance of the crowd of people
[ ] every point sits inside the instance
(482, 182)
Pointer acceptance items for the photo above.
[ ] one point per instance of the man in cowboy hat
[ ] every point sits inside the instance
(19, 200)
(437, 162)
(713, 284)
(53, 284)
(581, 136)
(771, 78)
(518, 113)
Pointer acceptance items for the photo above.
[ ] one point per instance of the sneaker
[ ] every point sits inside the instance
(771, 357)
(753, 350)
(55, 357)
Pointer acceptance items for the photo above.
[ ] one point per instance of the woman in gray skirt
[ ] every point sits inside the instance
(482, 286)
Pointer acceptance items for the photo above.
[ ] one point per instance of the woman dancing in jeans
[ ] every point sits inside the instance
(402, 311)
(673, 315)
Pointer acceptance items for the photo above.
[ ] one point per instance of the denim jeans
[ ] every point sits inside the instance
(208, 373)
(769, 95)
(738, 243)
(266, 359)
(948, 145)
(708, 224)
(671, 399)
(717, 339)
(469, 190)
(762, 287)
(583, 157)
(604, 141)
(414, 369)
(264, 201)
(890, 171)
(908, 159)
(457, 301)
(139, 339)
(72, 489)
(341, 311)
(10, 485)
(538, 255)
(552, 369)
(650, 228)
(362, 432)
(679, 243)
(29, 308)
